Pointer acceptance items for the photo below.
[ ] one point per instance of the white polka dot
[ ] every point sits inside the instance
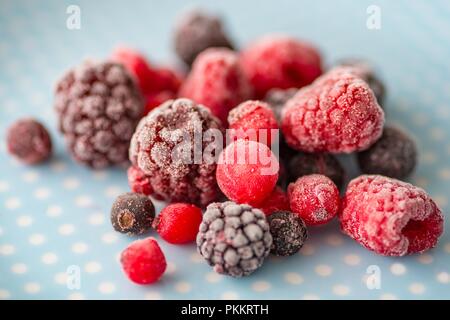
(1, 231)
(341, 290)
(13, 203)
(93, 267)
(398, 269)
(334, 240)
(109, 238)
(437, 134)
(196, 258)
(83, 201)
(113, 191)
(260, 286)
(100, 175)
(71, 183)
(293, 278)
(76, 296)
(447, 247)
(323, 270)
(388, 296)
(183, 287)
(36, 239)
(66, 229)
(24, 221)
(61, 278)
(429, 157)
(171, 268)
(42, 193)
(230, 295)
(352, 259)
(30, 176)
(153, 295)
(311, 296)
(19, 268)
(425, 258)
(417, 288)
(421, 182)
(7, 249)
(307, 250)
(106, 287)
(96, 218)
(4, 294)
(32, 287)
(58, 166)
(54, 211)
(4, 186)
(443, 277)
(213, 277)
(49, 258)
(79, 247)
(441, 200)
(445, 174)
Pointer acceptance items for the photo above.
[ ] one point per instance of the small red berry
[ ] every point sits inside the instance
(143, 261)
(178, 223)
(277, 201)
(315, 198)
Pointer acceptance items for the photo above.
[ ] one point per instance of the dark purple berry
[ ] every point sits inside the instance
(288, 231)
(132, 213)
(393, 155)
(277, 98)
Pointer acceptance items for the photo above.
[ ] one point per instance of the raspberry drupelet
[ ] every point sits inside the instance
(315, 198)
(337, 113)
(390, 217)
(217, 81)
(165, 148)
(279, 61)
(98, 106)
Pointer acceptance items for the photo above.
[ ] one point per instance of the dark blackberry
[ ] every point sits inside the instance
(234, 238)
(321, 163)
(277, 98)
(98, 107)
(163, 149)
(132, 213)
(197, 31)
(288, 231)
(29, 141)
(393, 155)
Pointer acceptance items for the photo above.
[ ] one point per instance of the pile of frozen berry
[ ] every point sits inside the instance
(242, 146)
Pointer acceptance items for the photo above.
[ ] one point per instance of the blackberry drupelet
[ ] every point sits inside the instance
(288, 231)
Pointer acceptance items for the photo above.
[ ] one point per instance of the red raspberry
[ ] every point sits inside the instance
(217, 81)
(252, 120)
(277, 201)
(247, 171)
(178, 223)
(280, 62)
(390, 217)
(139, 182)
(337, 113)
(315, 198)
(143, 261)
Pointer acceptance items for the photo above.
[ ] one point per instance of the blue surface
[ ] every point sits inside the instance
(56, 215)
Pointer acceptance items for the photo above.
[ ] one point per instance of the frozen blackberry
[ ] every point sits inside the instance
(197, 31)
(277, 98)
(163, 149)
(288, 232)
(234, 238)
(393, 155)
(98, 106)
(367, 73)
(29, 141)
(321, 163)
(132, 213)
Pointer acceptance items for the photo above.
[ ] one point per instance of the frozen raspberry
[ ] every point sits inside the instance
(393, 155)
(252, 120)
(166, 149)
(178, 223)
(315, 198)
(337, 113)
(277, 99)
(364, 70)
(143, 261)
(217, 81)
(28, 140)
(98, 107)
(247, 172)
(132, 213)
(288, 231)
(138, 181)
(280, 62)
(321, 163)
(390, 217)
(197, 31)
(276, 201)
(233, 238)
